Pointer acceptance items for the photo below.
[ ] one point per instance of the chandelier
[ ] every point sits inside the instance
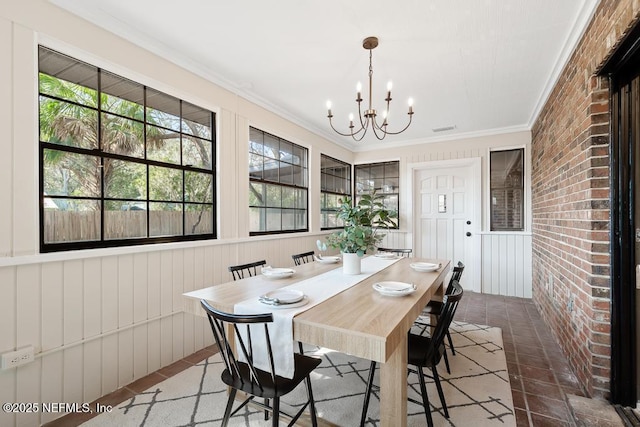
(369, 118)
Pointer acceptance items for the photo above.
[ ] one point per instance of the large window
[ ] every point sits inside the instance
(277, 185)
(121, 163)
(507, 190)
(383, 178)
(335, 184)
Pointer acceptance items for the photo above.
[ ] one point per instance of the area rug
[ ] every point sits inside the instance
(477, 391)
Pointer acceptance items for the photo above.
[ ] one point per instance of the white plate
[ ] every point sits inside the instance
(394, 289)
(285, 296)
(328, 259)
(304, 301)
(386, 255)
(424, 267)
(277, 273)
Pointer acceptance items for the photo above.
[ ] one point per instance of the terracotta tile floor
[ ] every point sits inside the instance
(540, 375)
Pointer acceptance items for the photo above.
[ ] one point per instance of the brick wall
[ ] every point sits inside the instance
(570, 201)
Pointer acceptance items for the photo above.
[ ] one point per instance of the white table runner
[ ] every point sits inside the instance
(317, 289)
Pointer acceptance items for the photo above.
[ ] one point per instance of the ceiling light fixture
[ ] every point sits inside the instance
(379, 130)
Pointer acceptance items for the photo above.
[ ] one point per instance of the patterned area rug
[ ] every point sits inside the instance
(477, 391)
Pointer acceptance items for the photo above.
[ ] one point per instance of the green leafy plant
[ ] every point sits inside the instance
(361, 224)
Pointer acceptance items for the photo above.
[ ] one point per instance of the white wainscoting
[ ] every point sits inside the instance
(506, 264)
(100, 323)
(506, 261)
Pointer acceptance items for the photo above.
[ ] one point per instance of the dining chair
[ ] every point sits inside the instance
(240, 374)
(303, 258)
(251, 269)
(434, 308)
(399, 252)
(425, 352)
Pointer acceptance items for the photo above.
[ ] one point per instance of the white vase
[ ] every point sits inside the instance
(351, 263)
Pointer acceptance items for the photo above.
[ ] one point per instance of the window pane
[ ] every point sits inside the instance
(72, 220)
(196, 152)
(124, 220)
(68, 124)
(165, 184)
(257, 195)
(286, 173)
(163, 110)
(289, 220)
(274, 219)
(274, 196)
(271, 146)
(122, 136)
(74, 80)
(71, 174)
(507, 190)
(125, 180)
(255, 166)
(163, 145)
(196, 121)
(198, 187)
(257, 219)
(122, 96)
(198, 219)
(165, 219)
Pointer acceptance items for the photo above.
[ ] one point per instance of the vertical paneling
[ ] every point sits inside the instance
(7, 309)
(8, 394)
(154, 280)
(28, 378)
(140, 287)
(166, 341)
(73, 301)
(166, 282)
(29, 315)
(92, 372)
(92, 295)
(153, 346)
(140, 351)
(506, 264)
(53, 307)
(6, 123)
(125, 290)
(109, 293)
(109, 364)
(72, 374)
(52, 380)
(125, 357)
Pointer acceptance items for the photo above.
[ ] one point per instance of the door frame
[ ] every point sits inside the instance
(475, 164)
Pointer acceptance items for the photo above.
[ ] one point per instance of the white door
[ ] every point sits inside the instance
(447, 216)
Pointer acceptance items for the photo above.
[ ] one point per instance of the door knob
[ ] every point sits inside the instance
(468, 222)
(468, 233)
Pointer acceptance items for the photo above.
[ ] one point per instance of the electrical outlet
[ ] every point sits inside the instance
(16, 358)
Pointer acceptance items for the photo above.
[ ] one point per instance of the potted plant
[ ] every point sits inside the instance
(361, 224)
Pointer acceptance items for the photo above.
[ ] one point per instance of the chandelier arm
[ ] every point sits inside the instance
(337, 131)
(363, 128)
(400, 131)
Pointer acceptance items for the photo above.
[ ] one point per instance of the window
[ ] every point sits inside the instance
(384, 178)
(121, 163)
(335, 183)
(277, 185)
(507, 190)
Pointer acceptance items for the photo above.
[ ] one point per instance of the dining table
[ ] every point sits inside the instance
(357, 320)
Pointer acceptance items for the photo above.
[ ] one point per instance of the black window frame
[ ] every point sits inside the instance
(388, 185)
(99, 154)
(259, 177)
(508, 188)
(327, 191)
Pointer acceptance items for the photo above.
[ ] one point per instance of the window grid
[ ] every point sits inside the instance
(108, 213)
(278, 185)
(384, 179)
(335, 184)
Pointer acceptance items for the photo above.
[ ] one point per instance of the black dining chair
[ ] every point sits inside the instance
(303, 258)
(251, 269)
(240, 374)
(399, 252)
(433, 308)
(425, 352)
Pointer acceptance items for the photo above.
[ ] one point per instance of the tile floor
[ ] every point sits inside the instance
(540, 376)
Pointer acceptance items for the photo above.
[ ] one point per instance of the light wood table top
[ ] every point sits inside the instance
(358, 321)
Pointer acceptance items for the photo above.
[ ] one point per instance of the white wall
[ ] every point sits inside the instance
(506, 257)
(102, 318)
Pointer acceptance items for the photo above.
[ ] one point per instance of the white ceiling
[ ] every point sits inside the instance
(483, 66)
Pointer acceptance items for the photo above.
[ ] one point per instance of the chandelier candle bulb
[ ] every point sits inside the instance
(329, 108)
